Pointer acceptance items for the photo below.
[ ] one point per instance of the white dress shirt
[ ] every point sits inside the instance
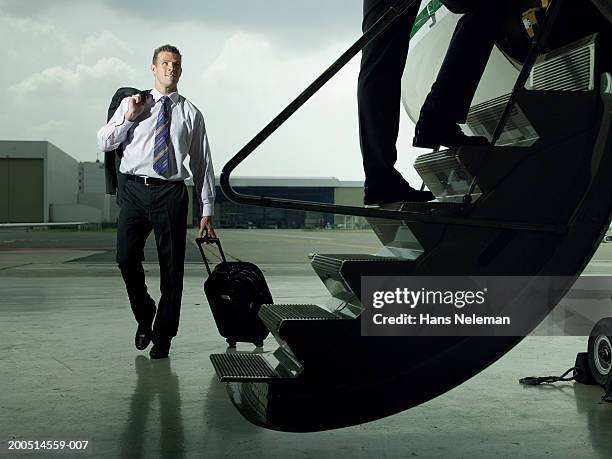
(187, 138)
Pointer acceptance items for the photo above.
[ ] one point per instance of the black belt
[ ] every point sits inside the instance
(153, 181)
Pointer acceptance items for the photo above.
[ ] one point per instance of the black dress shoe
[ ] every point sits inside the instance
(160, 350)
(404, 194)
(143, 336)
(427, 135)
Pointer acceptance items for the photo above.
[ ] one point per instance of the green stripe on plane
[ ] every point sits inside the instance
(423, 16)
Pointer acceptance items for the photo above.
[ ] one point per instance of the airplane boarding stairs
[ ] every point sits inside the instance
(541, 201)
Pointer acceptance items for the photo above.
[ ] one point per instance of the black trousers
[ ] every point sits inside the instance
(379, 94)
(162, 209)
(382, 65)
(466, 58)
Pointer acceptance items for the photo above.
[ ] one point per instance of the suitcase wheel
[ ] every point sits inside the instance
(231, 343)
(258, 343)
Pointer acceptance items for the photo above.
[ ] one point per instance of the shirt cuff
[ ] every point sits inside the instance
(122, 128)
(125, 123)
(208, 210)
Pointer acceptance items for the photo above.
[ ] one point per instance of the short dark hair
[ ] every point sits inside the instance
(167, 48)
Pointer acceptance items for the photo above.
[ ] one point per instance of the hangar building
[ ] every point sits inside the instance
(41, 183)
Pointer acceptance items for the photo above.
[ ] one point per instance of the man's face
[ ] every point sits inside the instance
(167, 69)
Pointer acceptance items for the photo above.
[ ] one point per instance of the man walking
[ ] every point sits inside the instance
(158, 133)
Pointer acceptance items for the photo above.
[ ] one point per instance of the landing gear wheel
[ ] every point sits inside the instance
(231, 343)
(600, 350)
(258, 343)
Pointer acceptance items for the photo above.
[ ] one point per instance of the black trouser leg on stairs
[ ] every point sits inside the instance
(465, 61)
(379, 94)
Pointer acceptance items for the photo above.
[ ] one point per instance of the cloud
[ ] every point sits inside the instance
(101, 44)
(298, 23)
(51, 127)
(28, 25)
(255, 81)
(28, 40)
(253, 64)
(59, 79)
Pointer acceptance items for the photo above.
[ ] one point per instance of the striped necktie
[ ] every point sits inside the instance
(162, 139)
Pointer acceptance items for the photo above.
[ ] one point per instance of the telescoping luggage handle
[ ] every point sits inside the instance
(203, 240)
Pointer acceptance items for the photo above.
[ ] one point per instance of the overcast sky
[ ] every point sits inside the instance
(243, 61)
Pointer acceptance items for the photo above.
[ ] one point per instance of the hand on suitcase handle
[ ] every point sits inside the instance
(206, 240)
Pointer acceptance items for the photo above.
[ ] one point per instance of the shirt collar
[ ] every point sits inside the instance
(174, 97)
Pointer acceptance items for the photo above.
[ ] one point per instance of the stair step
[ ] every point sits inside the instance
(332, 263)
(341, 273)
(445, 174)
(245, 367)
(482, 120)
(273, 315)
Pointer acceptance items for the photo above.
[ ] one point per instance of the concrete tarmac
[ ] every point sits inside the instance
(23, 253)
(69, 370)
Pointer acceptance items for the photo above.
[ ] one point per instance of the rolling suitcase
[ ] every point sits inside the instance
(235, 291)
